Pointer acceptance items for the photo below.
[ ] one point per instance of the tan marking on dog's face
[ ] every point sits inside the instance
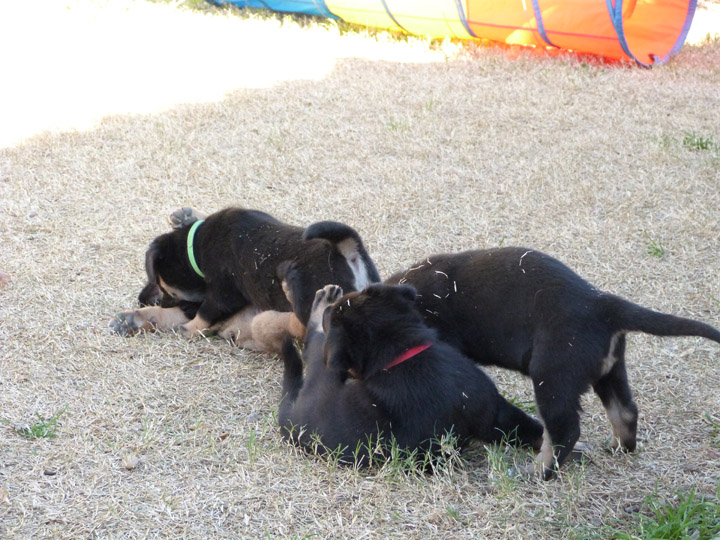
(178, 294)
(620, 419)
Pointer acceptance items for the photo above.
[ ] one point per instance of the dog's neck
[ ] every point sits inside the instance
(191, 249)
(407, 355)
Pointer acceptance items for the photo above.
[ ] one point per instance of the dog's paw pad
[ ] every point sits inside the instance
(182, 217)
(323, 298)
(124, 324)
(327, 295)
(332, 293)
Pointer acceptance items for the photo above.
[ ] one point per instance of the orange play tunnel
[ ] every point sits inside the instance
(646, 31)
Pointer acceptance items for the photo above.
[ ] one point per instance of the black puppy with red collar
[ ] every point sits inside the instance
(376, 373)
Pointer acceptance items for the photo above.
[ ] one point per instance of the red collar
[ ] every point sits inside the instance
(407, 355)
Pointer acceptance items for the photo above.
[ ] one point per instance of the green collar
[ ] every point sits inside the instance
(190, 251)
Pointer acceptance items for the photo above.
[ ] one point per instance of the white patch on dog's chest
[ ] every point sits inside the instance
(349, 249)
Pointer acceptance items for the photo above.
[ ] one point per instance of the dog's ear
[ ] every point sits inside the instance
(407, 292)
(285, 269)
(151, 295)
(335, 352)
(403, 292)
(151, 257)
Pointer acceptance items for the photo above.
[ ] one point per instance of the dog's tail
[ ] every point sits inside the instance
(292, 377)
(630, 317)
(350, 244)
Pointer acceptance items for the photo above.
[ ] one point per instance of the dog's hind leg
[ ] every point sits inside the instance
(238, 328)
(269, 328)
(291, 384)
(614, 391)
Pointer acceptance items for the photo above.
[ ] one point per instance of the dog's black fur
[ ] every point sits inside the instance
(414, 402)
(524, 310)
(242, 254)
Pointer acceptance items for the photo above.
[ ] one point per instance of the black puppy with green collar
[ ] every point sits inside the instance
(204, 272)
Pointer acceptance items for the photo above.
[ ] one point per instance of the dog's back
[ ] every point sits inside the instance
(240, 252)
(526, 311)
(493, 303)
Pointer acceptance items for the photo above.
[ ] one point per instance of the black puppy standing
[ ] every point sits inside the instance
(404, 382)
(207, 271)
(524, 310)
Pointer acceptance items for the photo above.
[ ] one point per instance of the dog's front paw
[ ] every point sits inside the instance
(185, 331)
(323, 298)
(126, 323)
(531, 471)
(194, 328)
(183, 217)
(329, 294)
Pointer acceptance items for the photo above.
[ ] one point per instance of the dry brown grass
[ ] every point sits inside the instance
(170, 439)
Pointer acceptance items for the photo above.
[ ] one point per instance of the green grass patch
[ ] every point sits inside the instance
(397, 125)
(654, 247)
(454, 514)
(698, 143)
(714, 422)
(692, 516)
(527, 405)
(44, 428)
(390, 460)
(440, 457)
